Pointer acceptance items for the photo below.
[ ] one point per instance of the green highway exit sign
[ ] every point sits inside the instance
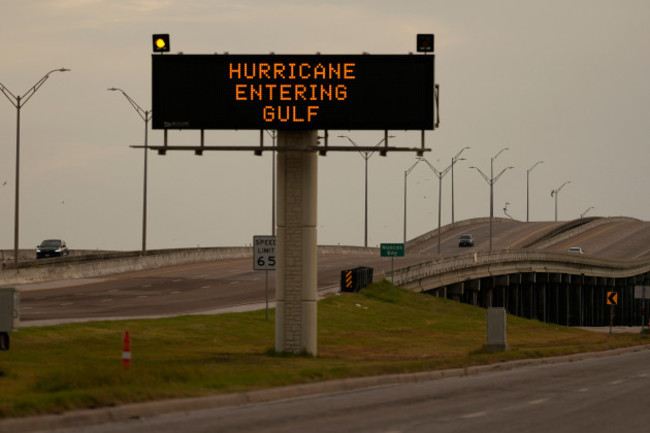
(392, 250)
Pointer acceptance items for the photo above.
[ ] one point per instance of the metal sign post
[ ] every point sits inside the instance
(392, 251)
(264, 260)
(612, 300)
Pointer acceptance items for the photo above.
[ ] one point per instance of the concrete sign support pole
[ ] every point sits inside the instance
(297, 251)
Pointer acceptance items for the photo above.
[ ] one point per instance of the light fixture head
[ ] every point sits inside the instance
(424, 43)
(161, 43)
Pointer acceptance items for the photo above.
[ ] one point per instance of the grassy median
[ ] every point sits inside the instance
(59, 368)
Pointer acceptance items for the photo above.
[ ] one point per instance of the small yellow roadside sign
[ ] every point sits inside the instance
(612, 298)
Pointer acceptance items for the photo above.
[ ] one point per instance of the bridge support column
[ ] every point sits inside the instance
(297, 251)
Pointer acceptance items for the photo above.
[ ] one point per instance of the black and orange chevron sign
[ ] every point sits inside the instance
(348, 279)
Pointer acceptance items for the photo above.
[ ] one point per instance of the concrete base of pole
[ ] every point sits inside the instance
(296, 248)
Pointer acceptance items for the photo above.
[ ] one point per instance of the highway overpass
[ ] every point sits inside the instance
(529, 272)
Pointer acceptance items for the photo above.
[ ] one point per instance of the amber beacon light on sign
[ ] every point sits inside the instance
(161, 43)
(424, 43)
(293, 92)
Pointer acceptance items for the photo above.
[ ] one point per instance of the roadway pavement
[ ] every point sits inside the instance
(594, 392)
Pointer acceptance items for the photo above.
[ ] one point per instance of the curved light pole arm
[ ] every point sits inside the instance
(10, 96)
(407, 172)
(18, 101)
(535, 165)
(499, 153)
(582, 215)
(366, 154)
(142, 113)
(499, 175)
(455, 158)
(487, 179)
(28, 94)
(562, 186)
(349, 139)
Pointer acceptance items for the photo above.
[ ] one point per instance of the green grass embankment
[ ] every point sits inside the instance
(59, 368)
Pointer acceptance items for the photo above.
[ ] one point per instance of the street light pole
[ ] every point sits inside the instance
(146, 116)
(366, 156)
(406, 173)
(491, 181)
(555, 193)
(439, 175)
(18, 102)
(527, 189)
(582, 215)
(453, 161)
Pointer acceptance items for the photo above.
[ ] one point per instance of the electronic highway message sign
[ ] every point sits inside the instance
(293, 92)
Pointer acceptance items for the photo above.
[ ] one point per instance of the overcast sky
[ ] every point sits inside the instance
(563, 81)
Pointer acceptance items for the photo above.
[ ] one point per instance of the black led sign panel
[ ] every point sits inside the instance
(293, 92)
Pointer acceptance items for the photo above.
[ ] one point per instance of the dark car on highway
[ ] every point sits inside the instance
(466, 241)
(52, 248)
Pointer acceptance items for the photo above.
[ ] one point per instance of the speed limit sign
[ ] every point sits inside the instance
(264, 253)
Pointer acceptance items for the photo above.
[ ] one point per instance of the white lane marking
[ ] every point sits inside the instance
(474, 415)
(615, 382)
(583, 390)
(177, 280)
(538, 401)
(643, 375)
(112, 291)
(206, 287)
(107, 300)
(143, 296)
(145, 286)
(234, 282)
(175, 292)
(643, 253)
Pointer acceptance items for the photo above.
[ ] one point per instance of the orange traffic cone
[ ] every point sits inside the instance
(126, 352)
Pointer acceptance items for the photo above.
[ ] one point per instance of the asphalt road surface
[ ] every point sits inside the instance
(594, 395)
(186, 289)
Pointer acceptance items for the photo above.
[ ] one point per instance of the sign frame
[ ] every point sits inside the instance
(305, 92)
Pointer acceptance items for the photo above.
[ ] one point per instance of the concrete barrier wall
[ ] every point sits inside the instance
(111, 263)
(450, 270)
(100, 263)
